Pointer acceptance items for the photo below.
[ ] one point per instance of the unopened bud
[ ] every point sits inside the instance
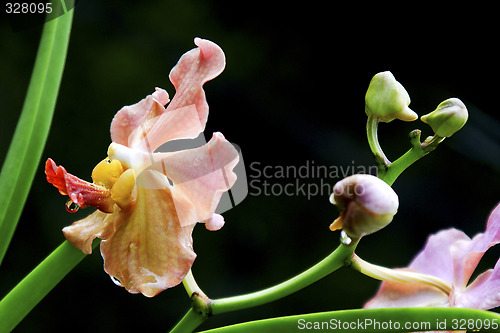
(367, 205)
(450, 116)
(387, 99)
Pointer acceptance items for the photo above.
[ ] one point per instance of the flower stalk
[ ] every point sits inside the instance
(328, 265)
(372, 134)
(194, 317)
(191, 286)
(387, 274)
(418, 150)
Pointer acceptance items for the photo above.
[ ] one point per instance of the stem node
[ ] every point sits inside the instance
(201, 304)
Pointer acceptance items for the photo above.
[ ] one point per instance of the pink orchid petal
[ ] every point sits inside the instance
(195, 68)
(161, 96)
(467, 253)
(201, 174)
(399, 295)
(81, 233)
(182, 123)
(189, 107)
(127, 122)
(436, 258)
(483, 293)
(150, 251)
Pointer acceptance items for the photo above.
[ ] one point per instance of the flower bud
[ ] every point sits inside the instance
(450, 116)
(387, 99)
(367, 204)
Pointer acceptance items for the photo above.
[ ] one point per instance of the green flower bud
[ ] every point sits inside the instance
(387, 99)
(450, 116)
(367, 205)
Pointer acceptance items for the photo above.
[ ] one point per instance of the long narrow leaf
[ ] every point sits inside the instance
(33, 127)
(34, 287)
(375, 321)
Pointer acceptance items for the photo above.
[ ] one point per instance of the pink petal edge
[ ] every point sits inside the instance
(196, 67)
(208, 175)
(467, 253)
(483, 293)
(127, 121)
(436, 258)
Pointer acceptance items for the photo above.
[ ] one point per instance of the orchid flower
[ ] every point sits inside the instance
(148, 202)
(449, 256)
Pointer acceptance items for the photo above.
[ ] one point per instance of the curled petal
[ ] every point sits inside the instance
(200, 175)
(81, 233)
(147, 125)
(82, 193)
(195, 68)
(56, 175)
(131, 122)
(150, 251)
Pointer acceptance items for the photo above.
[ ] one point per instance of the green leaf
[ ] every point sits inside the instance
(33, 127)
(34, 287)
(376, 320)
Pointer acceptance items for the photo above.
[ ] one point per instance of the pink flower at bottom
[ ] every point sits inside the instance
(451, 256)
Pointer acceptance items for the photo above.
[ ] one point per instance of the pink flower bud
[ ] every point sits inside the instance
(366, 202)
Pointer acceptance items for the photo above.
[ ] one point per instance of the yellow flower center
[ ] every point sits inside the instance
(111, 175)
(107, 172)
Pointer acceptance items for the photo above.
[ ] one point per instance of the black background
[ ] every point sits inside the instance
(292, 91)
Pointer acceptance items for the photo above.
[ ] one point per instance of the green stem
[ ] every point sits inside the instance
(191, 286)
(202, 306)
(372, 135)
(33, 127)
(375, 321)
(34, 287)
(418, 150)
(189, 322)
(328, 265)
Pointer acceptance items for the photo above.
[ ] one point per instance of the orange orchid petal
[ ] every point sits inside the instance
(150, 251)
(81, 233)
(82, 193)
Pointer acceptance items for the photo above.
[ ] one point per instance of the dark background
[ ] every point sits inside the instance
(293, 91)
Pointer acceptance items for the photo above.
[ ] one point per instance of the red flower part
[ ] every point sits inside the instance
(82, 193)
